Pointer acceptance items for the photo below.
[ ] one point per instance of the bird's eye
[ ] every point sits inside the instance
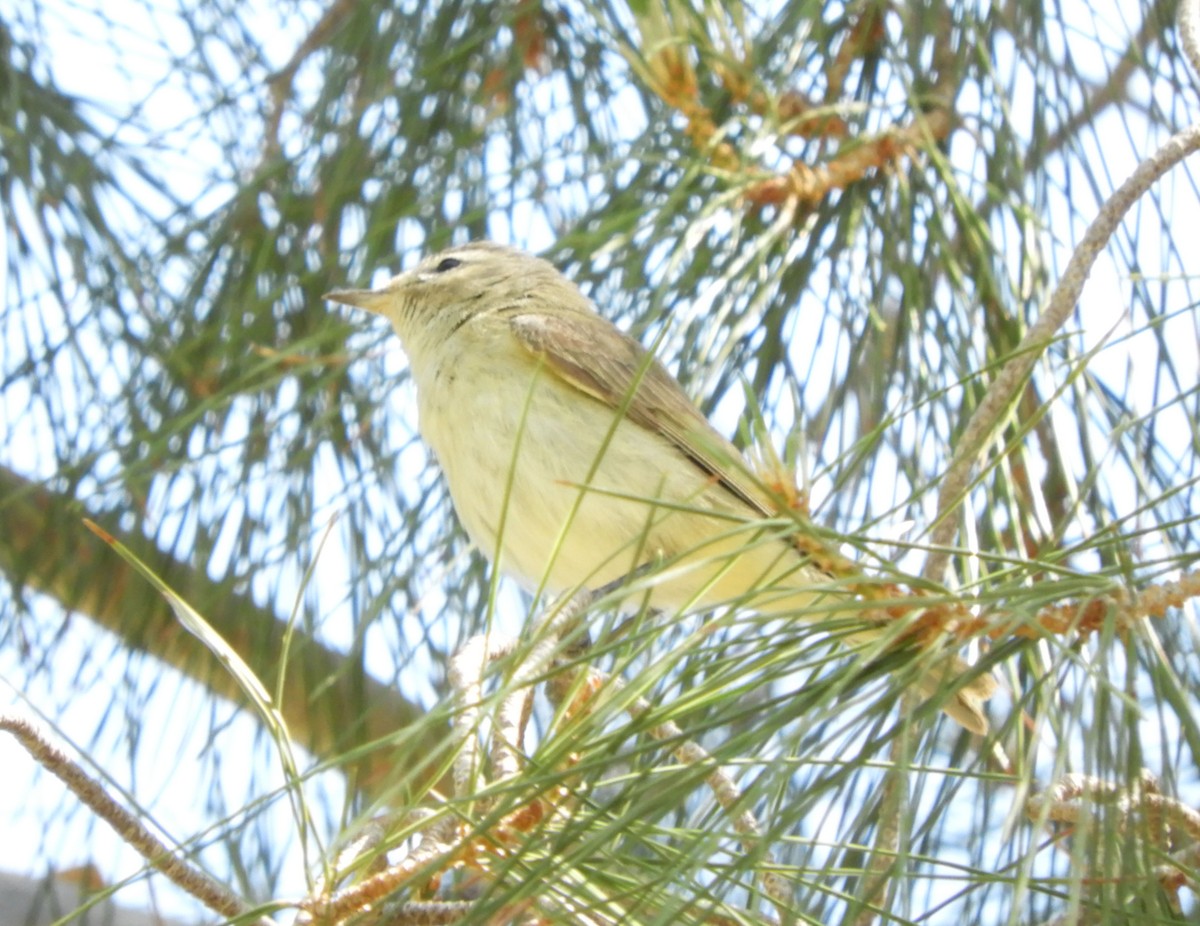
(448, 263)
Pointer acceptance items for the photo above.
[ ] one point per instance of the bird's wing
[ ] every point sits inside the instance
(588, 353)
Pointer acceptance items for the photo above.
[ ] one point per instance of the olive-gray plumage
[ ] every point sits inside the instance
(573, 456)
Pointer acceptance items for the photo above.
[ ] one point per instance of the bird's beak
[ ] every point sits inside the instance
(370, 299)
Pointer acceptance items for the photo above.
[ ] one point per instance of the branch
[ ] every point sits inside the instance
(1113, 91)
(210, 892)
(1160, 822)
(280, 83)
(1189, 32)
(329, 705)
(892, 799)
(991, 410)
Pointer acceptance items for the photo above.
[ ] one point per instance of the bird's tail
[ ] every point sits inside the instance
(965, 702)
(959, 689)
(768, 578)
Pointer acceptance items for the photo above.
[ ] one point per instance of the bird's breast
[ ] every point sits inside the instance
(545, 478)
(562, 492)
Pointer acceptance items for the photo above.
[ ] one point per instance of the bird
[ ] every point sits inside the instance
(574, 458)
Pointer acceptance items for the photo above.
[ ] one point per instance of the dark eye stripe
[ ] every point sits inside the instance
(448, 263)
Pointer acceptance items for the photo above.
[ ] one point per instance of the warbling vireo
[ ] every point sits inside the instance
(573, 457)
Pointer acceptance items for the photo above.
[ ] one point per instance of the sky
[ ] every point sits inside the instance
(83, 38)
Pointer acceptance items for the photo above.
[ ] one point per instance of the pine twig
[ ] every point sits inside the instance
(206, 889)
(957, 479)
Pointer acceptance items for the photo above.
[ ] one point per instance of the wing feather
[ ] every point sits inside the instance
(588, 353)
